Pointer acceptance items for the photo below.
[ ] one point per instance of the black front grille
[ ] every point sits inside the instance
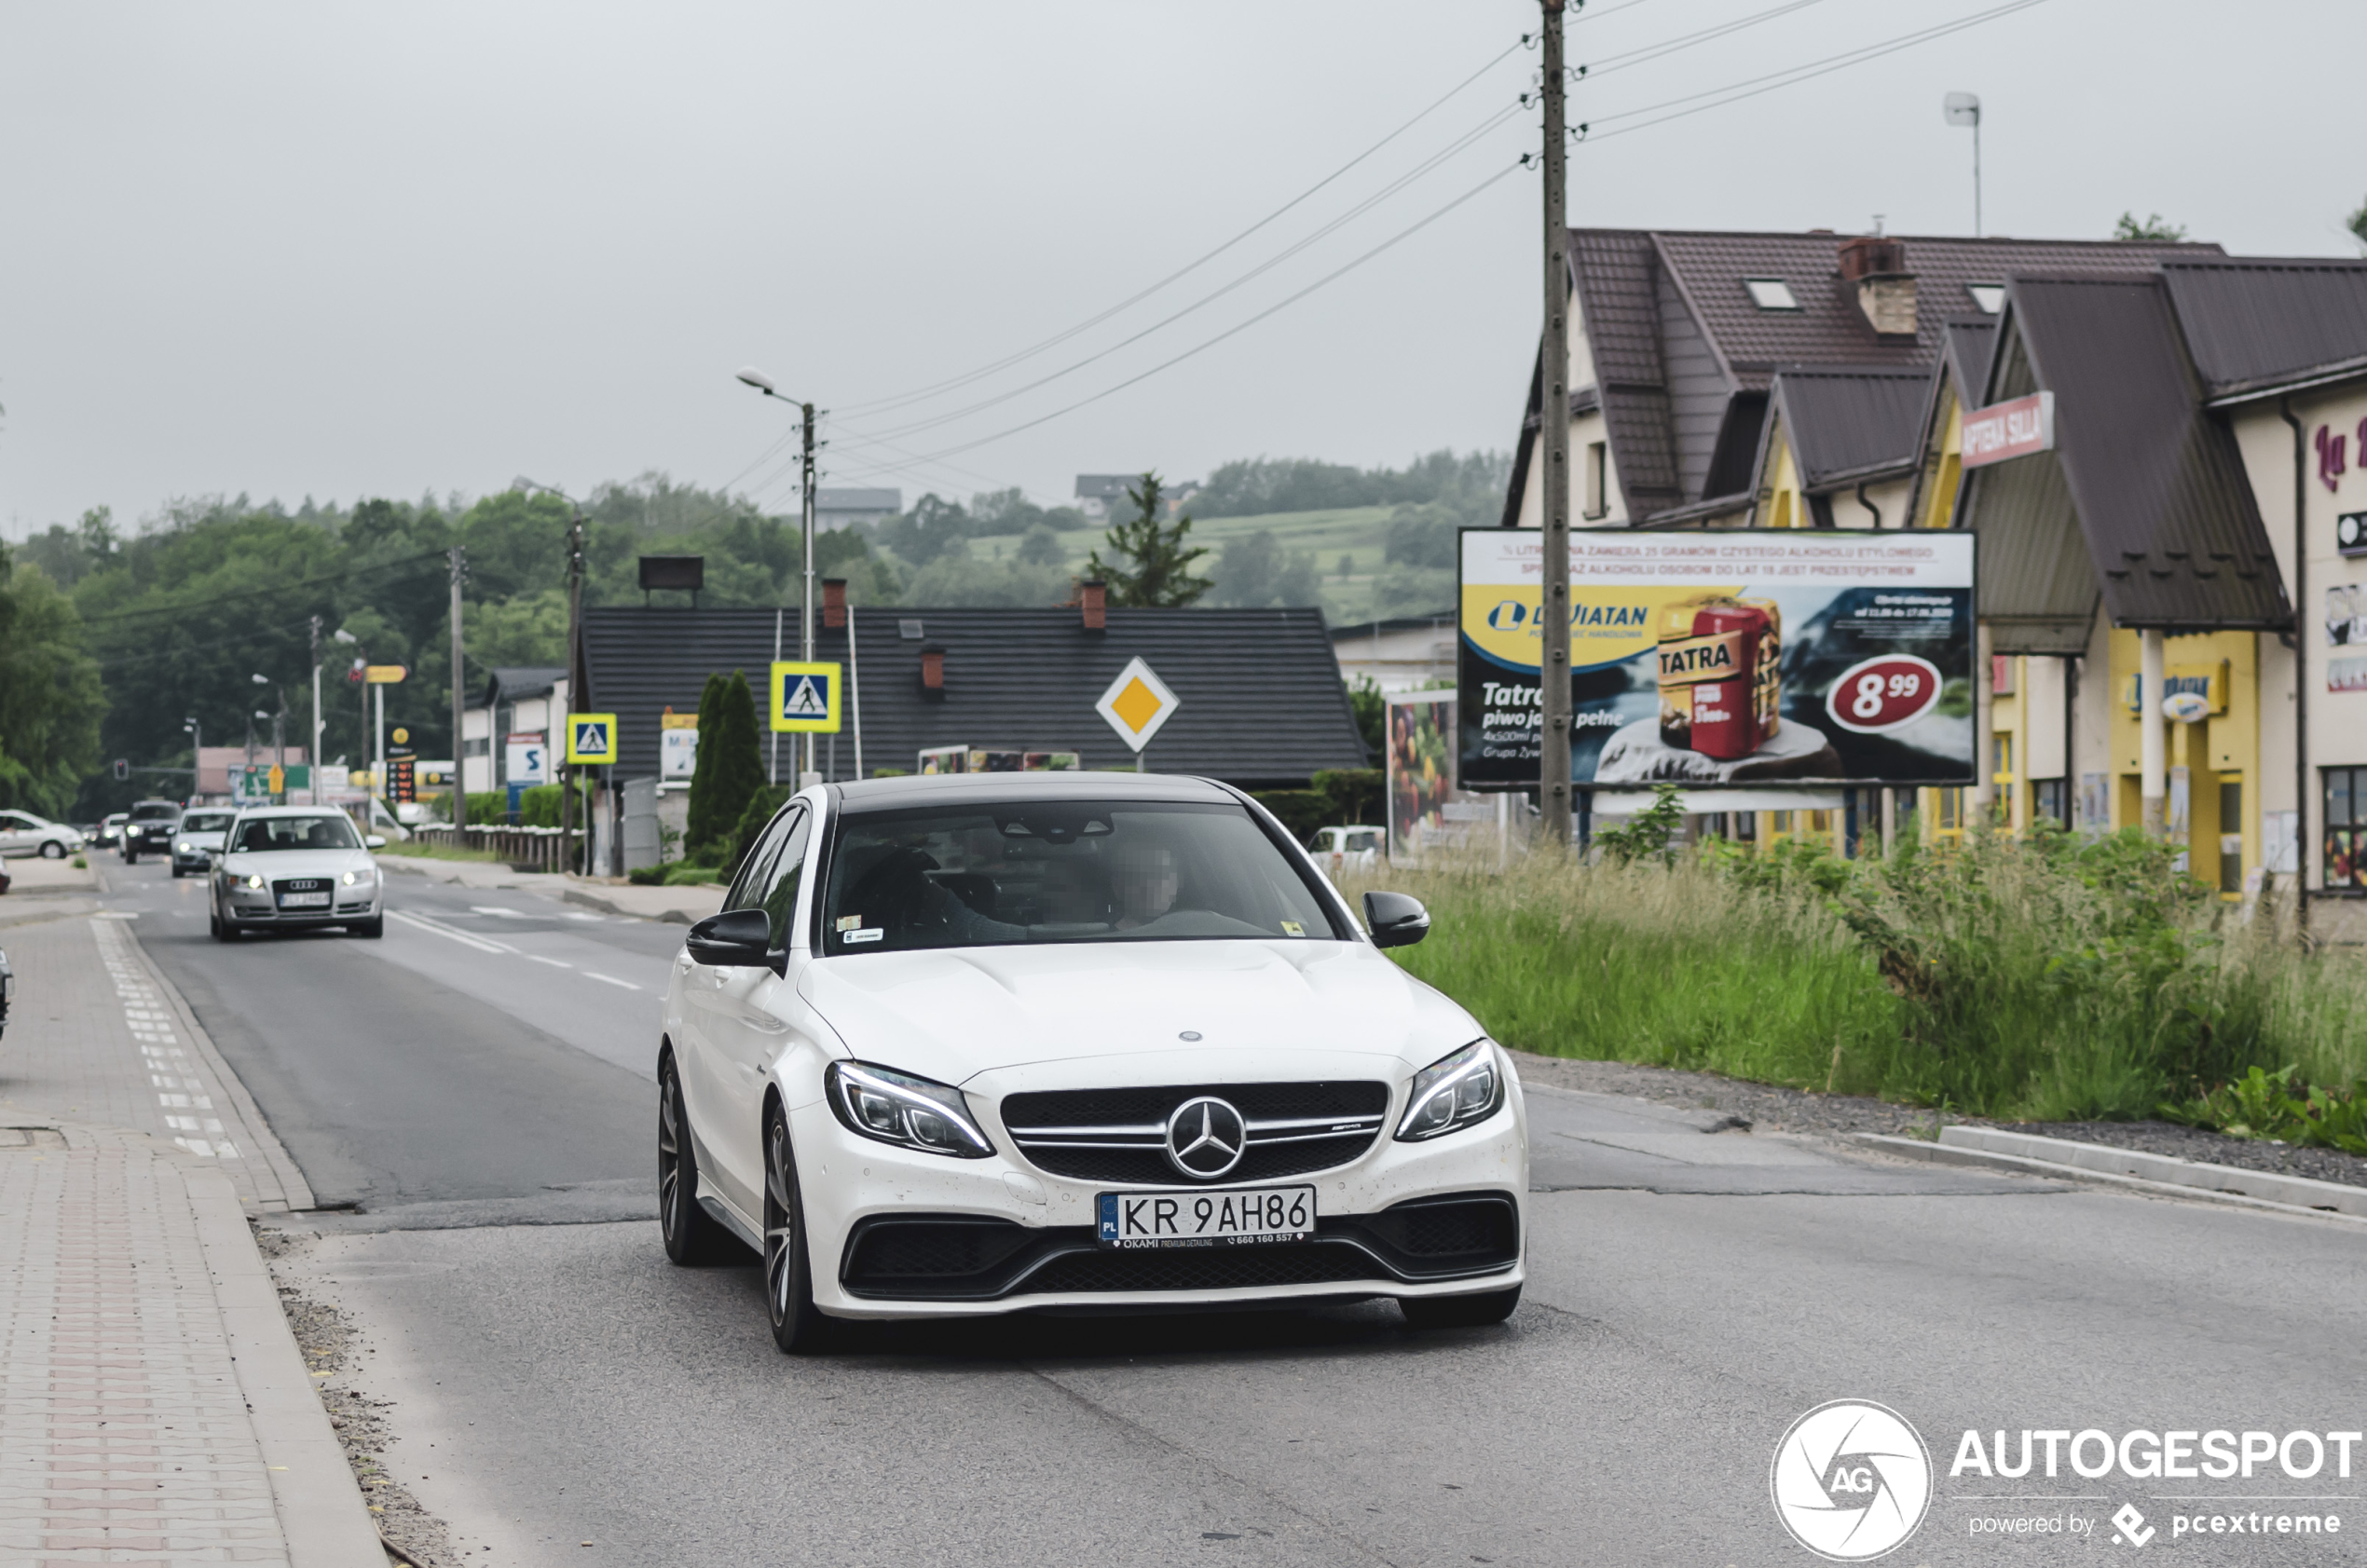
(1210, 1268)
(1430, 1236)
(1146, 1162)
(924, 1257)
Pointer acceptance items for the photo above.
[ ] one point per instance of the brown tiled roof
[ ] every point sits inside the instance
(2255, 323)
(1846, 423)
(2169, 519)
(1829, 328)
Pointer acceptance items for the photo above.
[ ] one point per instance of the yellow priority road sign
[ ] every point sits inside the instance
(805, 698)
(592, 738)
(1137, 703)
(385, 675)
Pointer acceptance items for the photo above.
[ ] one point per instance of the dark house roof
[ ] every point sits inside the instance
(2256, 325)
(2151, 478)
(1262, 701)
(1682, 354)
(510, 683)
(1847, 426)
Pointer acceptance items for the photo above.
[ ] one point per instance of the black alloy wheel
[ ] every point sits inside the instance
(692, 1239)
(1459, 1312)
(798, 1327)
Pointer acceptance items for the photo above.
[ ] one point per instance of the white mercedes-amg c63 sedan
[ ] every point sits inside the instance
(1074, 1042)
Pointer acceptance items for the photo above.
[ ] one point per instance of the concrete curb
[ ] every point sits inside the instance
(2298, 1192)
(321, 1515)
(1958, 1154)
(609, 906)
(295, 1191)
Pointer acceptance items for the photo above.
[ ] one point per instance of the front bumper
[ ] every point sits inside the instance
(255, 911)
(895, 1233)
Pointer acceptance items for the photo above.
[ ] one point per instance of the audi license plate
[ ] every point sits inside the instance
(1245, 1217)
(303, 900)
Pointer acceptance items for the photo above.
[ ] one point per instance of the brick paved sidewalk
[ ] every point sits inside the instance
(154, 1405)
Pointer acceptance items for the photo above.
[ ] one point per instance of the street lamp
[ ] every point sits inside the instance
(752, 377)
(278, 724)
(196, 754)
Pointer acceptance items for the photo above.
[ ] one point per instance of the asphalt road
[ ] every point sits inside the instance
(1692, 1292)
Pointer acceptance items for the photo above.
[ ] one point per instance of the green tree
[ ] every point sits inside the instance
(729, 768)
(1041, 547)
(50, 699)
(2153, 228)
(2358, 223)
(1151, 567)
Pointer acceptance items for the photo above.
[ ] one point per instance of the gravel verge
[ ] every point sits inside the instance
(413, 1537)
(1780, 1110)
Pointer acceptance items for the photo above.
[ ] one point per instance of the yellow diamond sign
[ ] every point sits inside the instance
(1137, 703)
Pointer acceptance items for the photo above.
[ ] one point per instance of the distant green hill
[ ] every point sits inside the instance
(1359, 534)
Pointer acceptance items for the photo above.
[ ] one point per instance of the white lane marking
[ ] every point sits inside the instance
(610, 979)
(464, 938)
(513, 914)
(552, 961)
(574, 916)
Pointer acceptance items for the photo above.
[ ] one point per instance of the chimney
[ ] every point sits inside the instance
(834, 602)
(1093, 594)
(1885, 289)
(933, 669)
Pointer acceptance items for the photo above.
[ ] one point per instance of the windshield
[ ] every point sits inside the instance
(326, 832)
(162, 812)
(1062, 871)
(205, 821)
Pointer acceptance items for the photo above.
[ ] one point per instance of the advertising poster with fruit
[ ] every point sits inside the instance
(1724, 657)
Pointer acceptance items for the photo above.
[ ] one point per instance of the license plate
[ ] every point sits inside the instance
(1244, 1217)
(303, 900)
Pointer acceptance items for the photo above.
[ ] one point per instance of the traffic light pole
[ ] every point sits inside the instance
(459, 746)
(805, 617)
(314, 755)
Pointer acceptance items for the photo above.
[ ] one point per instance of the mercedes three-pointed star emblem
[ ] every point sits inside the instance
(1206, 1137)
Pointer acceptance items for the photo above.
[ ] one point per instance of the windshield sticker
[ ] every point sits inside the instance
(1292, 928)
(851, 937)
(850, 923)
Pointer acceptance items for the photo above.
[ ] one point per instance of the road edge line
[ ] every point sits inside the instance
(311, 1480)
(295, 1191)
(1955, 1155)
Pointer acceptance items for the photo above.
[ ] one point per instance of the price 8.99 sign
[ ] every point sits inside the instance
(1883, 693)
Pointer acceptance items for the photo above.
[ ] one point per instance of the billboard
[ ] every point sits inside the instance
(1724, 657)
(1426, 811)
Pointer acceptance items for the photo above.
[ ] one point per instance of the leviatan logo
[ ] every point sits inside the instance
(1851, 1480)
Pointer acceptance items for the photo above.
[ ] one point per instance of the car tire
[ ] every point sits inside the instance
(52, 849)
(132, 857)
(216, 927)
(372, 928)
(798, 1328)
(1482, 1311)
(692, 1239)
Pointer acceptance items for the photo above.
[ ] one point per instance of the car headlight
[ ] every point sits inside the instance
(255, 882)
(1454, 1092)
(180, 848)
(908, 1111)
(348, 878)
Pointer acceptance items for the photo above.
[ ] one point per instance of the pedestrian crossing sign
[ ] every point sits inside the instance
(805, 699)
(592, 738)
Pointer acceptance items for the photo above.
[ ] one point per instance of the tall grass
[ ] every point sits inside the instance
(2038, 979)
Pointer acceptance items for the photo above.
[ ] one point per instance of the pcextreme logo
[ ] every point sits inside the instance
(1851, 1480)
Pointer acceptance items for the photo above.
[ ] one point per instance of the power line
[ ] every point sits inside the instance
(905, 399)
(1645, 54)
(1425, 166)
(1405, 233)
(274, 588)
(1733, 92)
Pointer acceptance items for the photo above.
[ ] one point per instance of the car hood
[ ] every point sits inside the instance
(272, 865)
(951, 1013)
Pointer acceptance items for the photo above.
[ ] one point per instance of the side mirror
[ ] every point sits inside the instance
(1395, 919)
(374, 842)
(735, 936)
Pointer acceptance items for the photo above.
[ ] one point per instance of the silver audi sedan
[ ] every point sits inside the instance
(295, 868)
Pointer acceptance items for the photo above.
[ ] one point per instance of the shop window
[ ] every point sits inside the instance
(1948, 814)
(2346, 866)
(2231, 837)
(2054, 799)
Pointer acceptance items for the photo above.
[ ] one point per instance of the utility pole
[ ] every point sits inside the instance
(1554, 661)
(459, 766)
(805, 617)
(575, 691)
(314, 755)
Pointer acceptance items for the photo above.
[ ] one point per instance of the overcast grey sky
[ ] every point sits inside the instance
(345, 251)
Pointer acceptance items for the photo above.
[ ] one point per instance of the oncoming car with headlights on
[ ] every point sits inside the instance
(296, 868)
(1076, 1042)
(197, 840)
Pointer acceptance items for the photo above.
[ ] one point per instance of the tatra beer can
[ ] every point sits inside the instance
(1710, 676)
(1766, 685)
